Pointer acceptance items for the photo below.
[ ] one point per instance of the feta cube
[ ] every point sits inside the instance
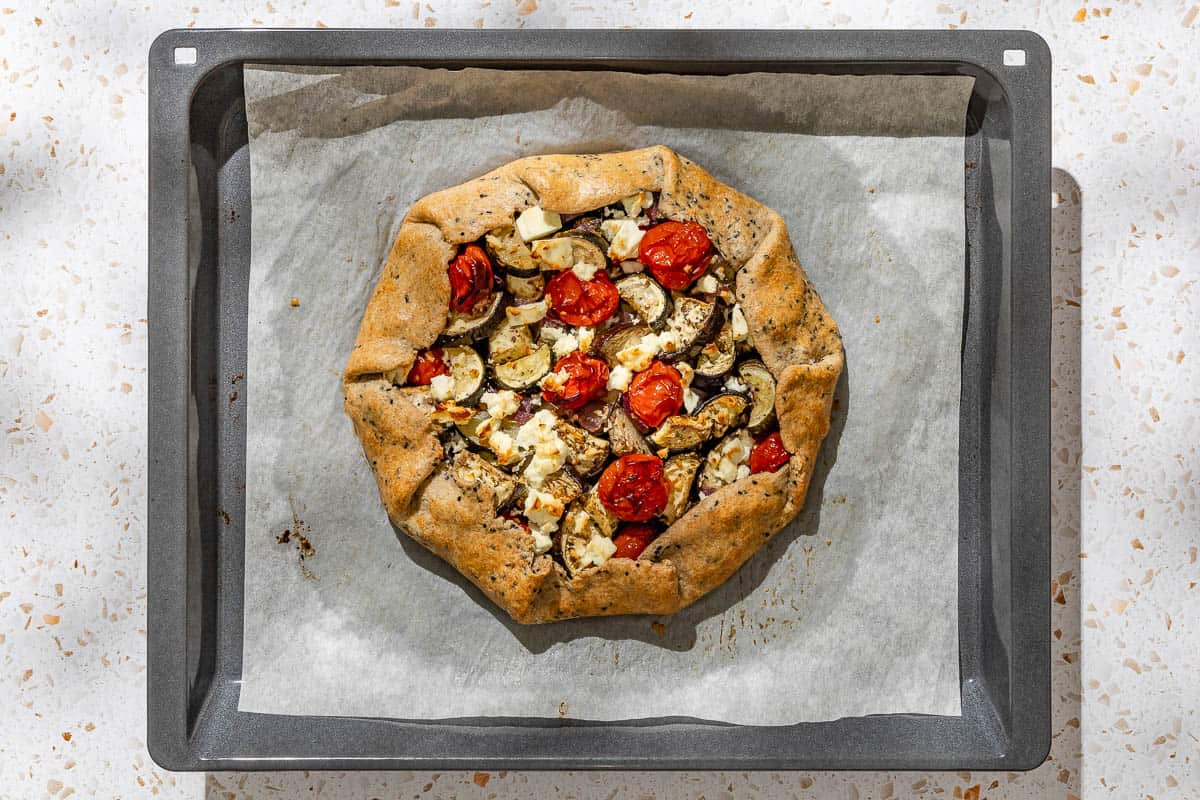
(708, 284)
(737, 323)
(567, 343)
(597, 551)
(442, 387)
(638, 356)
(623, 236)
(636, 202)
(536, 223)
(585, 271)
(619, 377)
(690, 399)
(541, 541)
(585, 336)
(554, 253)
(503, 403)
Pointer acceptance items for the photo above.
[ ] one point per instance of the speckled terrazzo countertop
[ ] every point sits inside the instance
(1125, 397)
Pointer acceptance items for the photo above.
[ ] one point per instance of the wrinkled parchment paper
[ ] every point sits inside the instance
(851, 611)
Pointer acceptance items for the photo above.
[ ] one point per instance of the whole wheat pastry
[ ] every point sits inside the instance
(593, 384)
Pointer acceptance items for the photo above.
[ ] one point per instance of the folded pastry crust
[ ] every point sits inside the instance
(790, 327)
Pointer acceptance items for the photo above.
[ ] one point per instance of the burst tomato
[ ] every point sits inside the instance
(676, 253)
(633, 488)
(429, 364)
(631, 540)
(580, 302)
(587, 379)
(471, 279)
(768, 454)
(654, 394)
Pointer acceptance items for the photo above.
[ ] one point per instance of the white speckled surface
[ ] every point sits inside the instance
(1126, 520)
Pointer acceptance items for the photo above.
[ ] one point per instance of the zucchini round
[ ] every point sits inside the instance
(680, 473)
(564, 251)
(524, 373)
(645, 296)
(761, 383)
(467, 373)
(510, 252)
(682, 432)
(462, 328)
(723, 410)
(508, 342)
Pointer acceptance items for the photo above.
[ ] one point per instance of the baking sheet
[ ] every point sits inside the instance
(850, 611)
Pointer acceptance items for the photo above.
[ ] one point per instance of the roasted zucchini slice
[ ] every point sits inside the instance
(466, 373)
(509, 341)
(645, 296)
(761, 383)
(680, 472)
(564, 251)
(564, 486)
(618, 338)
(581, 543)
(510, 252)
(604, 519)
(524, 373)
(462, 328)
(526, 290)
(681, 432)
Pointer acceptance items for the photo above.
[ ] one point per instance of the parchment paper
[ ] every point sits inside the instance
(851, 611)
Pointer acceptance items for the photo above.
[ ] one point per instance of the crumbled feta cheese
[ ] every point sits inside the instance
(619, 377)
(623, 236)
(743, 471)
(485, 427)
(734, 384)
(597, 551)
(708, 284)
(668, 341)
(543, 510)
(501, 444)
(554, 253)
(737, 323)
(549, 450)
(528, 313)
(726, 457)
(585, 271)
(636, 202)
(632, 267)
(585, 336)
(551, 333)
(638, 356)
(567, 343)
(536, 222)
(690, 399)
(555, 381)
(503, 403)
(442, 387)
(541, 541)
(686, 373)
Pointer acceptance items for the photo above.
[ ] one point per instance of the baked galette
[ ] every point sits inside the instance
(593, 384)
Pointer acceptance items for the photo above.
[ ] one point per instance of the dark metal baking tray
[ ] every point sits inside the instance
(198, 268)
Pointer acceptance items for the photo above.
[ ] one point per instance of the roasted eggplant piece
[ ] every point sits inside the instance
(463, 328)
(509, 341)
(524, 372)
(585, 453)
(588, 225)
(469, 469)
(605, 520)
(614, 340)
(715, 359)
(564, 251)
(581, 543)
(467, 373)
(624, 436)
(680, 473)
(693, 324)
(723, 410)
(527, 290)
(564, 486)
(510, 252)
(681, 432)
(645, 296)
(761, 384)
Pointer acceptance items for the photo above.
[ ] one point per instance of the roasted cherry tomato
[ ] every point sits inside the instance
(580, 302)
(587, 379)
(429, 364)
(633, 488)
(676, 253)
(768, 454)
(470, 279)
(654, 394)
(631, 540)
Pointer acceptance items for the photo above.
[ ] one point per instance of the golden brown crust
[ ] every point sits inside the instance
(789, 325)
